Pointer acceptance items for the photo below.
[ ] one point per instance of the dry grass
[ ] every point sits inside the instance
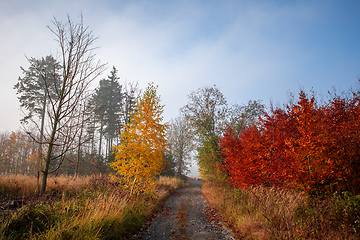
(171, 181)
(166, 186)
(86, 208)
(26, 186)
(17, 185)
(271, 213)
(278, 207)
(260, 213)
(69, 183)
(99, 216)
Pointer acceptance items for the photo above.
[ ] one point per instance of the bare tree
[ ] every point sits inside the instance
(180, 144)
(243, 116)
(78, 70)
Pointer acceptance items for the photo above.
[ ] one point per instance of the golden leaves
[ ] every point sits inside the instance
(138, 159)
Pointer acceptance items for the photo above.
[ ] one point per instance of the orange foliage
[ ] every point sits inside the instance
(139, 158)
(305, 146)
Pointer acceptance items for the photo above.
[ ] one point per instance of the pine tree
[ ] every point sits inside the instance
(37, 89)
(108, 98)
(40, 82)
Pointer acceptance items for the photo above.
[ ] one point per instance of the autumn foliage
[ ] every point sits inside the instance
(305, 145)
(139, 157)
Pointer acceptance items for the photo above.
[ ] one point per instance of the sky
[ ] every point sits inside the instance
(250, 50)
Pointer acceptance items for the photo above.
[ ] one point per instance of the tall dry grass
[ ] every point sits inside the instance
(172, 182)
(17, 185)
(26, 186)
(271, 213)
(166, 186)
(86, 208)
(97, 217)
(260, 213)
(278, 207)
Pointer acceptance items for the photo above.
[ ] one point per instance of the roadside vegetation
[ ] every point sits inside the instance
(289, 172)
(273, 213)
(90, 207)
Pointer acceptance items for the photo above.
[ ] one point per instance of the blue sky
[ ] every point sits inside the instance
(248, 49)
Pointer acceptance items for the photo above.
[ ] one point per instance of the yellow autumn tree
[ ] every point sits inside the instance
(139, 157)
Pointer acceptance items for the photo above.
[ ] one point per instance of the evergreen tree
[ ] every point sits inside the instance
(40, 83)
(37, 89)
(108, 98)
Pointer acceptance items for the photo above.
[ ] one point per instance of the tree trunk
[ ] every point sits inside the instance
(48, 159)
(180, 164)
(42, 123)
(93, 139)
(100, 140)
(79, 144)
(77, 160)
(110, 147)
(52, 140)
(79, 151)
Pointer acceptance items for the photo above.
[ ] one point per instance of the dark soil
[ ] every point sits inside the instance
(186, 215)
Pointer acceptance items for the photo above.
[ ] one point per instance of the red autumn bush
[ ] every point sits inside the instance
(305, 146)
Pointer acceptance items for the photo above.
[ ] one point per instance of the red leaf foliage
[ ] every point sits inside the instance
(304, 146)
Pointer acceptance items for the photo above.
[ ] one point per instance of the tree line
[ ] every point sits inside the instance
(119, 129)
(69, 124)
(68, 128)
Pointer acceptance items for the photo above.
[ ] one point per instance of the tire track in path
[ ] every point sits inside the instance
(185, 215)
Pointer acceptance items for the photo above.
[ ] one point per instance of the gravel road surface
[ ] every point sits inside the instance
(186, 215)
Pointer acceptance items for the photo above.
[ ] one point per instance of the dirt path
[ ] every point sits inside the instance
(186, 215)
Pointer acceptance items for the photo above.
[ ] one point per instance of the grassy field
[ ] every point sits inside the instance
(270, 213)
(90, 207)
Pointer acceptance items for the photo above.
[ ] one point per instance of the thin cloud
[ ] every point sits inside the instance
(251, 50)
